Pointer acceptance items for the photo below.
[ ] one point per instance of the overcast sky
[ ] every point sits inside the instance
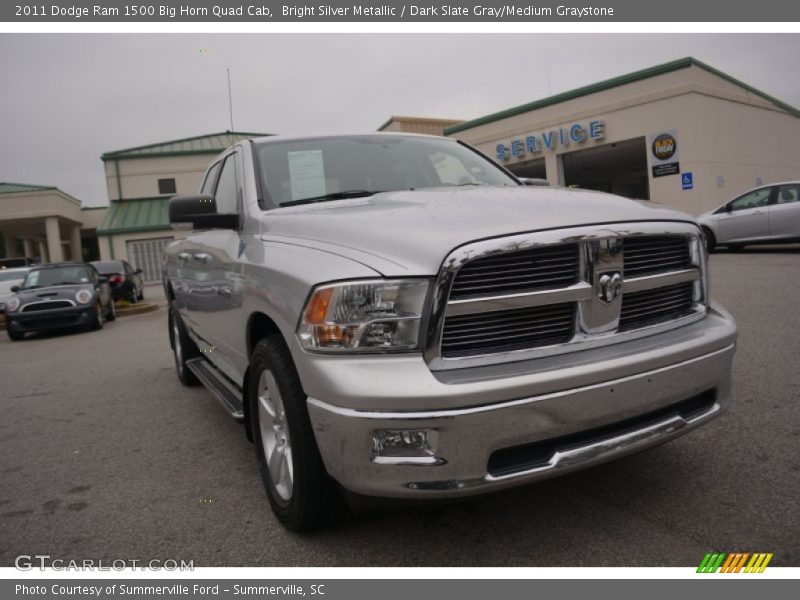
(66, 99)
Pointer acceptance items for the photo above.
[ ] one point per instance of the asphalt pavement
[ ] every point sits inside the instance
(103, 454)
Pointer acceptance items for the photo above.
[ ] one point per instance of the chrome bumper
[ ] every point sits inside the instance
(465, 438)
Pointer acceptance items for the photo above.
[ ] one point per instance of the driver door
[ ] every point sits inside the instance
(747, 219)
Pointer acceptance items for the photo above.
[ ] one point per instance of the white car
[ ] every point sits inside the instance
(9, 278)
(766, 215)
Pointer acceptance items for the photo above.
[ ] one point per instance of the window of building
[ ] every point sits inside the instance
(166, 186)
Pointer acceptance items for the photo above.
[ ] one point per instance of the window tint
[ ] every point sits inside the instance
(752, 200)
(227, 188)
(788, 193)
(211, 179)
(166, 186)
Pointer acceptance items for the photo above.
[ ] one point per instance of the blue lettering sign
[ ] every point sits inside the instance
(501, 152)
(548, 140)
(576, 133)
(531, 145)
(517, 149)
(597, 130)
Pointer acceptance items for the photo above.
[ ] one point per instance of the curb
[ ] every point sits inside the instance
(136, 309)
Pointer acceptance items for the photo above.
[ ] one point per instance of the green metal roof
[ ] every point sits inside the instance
(139, 214)
(675, 65)
(212, 143)
(13, 188)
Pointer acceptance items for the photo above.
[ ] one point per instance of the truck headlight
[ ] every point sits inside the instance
(364, 316)
(12, 304)
(83, 296)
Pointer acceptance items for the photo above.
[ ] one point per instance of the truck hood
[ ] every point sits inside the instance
(411, 232)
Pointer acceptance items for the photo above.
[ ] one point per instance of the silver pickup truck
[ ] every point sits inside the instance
(397, 316)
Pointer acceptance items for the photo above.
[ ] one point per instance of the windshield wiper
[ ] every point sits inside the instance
(332, 196)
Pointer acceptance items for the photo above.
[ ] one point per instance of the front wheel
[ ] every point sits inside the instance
(97, 322)
(301, 493)
(711, 240)
(183, 348)
(15, 336)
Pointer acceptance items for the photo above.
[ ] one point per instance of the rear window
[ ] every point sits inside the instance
(108, 267)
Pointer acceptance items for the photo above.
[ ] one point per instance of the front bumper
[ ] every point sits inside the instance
(44, 320)
(634, 398)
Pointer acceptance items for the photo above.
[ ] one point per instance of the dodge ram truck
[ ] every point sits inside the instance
(398, 316)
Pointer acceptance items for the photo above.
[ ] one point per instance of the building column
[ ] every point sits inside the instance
(53, 240)
(75, 246)
(42, 251)
(10, 243)
(26, 242)
(555, 168)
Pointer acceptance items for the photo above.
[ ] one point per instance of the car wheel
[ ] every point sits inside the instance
(15, 336)
(183, 348)
(112, 310)
(97, 323)
(141, 295)
(301, 493)
(133, 297)
(711, 240)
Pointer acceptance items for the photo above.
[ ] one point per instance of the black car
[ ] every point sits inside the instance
(59, 295)
(125, 281)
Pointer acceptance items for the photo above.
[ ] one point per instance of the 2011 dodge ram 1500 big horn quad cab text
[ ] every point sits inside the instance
(399, 317)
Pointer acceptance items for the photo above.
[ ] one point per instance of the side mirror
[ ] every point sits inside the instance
(728, 207)
(15, 288)
(201, 212)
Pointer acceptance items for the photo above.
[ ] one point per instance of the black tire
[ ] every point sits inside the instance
(97, 322)
(111, 314)
(711, 240)
(133, 297)
(314, 500)
(15, 336)
(141, 295)
(183, 348)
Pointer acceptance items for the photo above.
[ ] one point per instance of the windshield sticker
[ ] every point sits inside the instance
(307, 174)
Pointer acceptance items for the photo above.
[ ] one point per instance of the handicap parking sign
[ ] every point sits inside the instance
(687, 183)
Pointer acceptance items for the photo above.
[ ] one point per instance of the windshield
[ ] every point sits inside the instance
(341, 167)
(72, 274)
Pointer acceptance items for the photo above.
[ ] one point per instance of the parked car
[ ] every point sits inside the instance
(59, 295)
(765, 215)
(398, 316)
(8, 279)
(14, 263)
(125, 281)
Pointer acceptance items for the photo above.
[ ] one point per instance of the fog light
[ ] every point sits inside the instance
(405, 446)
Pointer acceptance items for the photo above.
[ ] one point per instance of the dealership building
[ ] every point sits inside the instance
(681, 133)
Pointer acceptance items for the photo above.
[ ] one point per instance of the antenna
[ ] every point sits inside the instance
(230, 98)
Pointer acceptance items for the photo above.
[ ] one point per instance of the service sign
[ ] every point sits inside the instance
(536, 143)
(664, 153)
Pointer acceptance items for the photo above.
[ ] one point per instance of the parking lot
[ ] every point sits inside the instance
(103, 454)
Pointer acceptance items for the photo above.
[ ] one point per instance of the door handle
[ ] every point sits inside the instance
(202, 257)
(184, 256)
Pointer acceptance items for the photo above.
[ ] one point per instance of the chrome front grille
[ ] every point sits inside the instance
(524, 271)
(505, 330)
(649, 307)
(560, 291)
(646, 255)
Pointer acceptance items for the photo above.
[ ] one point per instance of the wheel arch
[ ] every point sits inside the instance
(259, 326)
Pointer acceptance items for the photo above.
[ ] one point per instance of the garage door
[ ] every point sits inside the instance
(146, 255)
